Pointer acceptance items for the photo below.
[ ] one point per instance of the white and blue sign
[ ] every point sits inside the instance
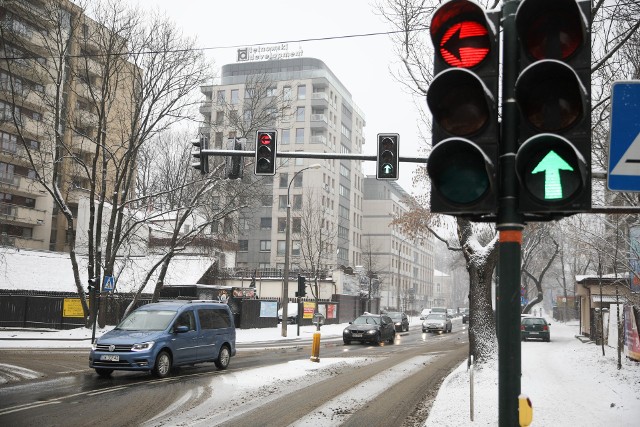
(624, 137)
(109, 284)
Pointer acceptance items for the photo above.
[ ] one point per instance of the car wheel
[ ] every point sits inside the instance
(347, 342)
(162, 367)
(377, 340)
(223, 358)
(424, 330)
(104, 372)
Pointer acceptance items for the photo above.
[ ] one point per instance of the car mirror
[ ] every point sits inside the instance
(421, 317)
(182, 329)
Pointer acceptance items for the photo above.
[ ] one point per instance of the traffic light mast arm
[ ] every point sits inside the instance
(311, 155)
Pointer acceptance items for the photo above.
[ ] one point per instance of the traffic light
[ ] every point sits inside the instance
(202, 164)
(302, 291)
(233, 164)
(553, 161)
(387, 164)
(93, 284)
(266, 145)
(463, 99)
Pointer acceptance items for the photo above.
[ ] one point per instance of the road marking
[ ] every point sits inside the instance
(27, 406)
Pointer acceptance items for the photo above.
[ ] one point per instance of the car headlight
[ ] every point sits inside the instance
(372, 331)
(142, 346)
(346, 331)
(94, 345)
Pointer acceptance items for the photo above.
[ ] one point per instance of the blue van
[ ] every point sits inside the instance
(157, 337)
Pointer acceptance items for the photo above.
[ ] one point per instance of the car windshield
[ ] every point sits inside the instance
(533, 321)
(395, 316)
(367, 320)
(147, 320)
(435, 317)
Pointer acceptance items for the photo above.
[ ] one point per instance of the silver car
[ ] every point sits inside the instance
(437, 322)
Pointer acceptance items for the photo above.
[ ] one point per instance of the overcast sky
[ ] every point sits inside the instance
(361, 63)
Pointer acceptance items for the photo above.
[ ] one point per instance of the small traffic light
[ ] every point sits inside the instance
(388, 150)
(463, 99)
(93, 283)
(266, 153)
(302, 291)
(202, 164)
(553, 161)
(233, 164)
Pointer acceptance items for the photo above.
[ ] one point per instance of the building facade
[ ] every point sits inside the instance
(405, 263)
(49, 130)
(312, 111)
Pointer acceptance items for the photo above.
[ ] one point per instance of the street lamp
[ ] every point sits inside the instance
(285, 286)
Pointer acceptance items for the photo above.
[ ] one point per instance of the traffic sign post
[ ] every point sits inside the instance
(624, 137)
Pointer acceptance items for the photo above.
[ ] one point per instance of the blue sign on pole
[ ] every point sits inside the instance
(624, 137)
(109, 284)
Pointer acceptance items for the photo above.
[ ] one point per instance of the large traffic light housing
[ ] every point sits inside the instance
(266, 144)
(387, 159)
(202, 163)
(553, 161)
(233, 164)
(302, 291)
(463, 99)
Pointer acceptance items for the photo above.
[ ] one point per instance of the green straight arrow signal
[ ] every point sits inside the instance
(387, 169)
(551, 165)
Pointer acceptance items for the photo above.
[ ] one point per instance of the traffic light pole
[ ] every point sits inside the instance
(510, 225)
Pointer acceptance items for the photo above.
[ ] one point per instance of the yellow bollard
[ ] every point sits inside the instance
(315, 347)
(525, 410)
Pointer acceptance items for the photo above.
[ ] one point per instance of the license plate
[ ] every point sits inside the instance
(533, 333)
(356, 335)
(110, 357)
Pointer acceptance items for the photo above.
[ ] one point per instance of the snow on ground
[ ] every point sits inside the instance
(569, 382)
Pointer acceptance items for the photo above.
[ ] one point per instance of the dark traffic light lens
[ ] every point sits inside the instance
(458, 101)
(550, 29)
(460, 171)
(550, 96)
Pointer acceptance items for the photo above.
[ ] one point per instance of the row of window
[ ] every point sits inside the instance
(9, 143)
(17, 85)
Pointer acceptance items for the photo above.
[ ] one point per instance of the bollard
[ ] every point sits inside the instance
(525, 410)
(315, 347)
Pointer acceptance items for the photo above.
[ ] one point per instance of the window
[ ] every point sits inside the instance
(281, 247)
(295, 248)
(215, 224)
(265, 245)
(213, 318)
(247, 115)
(282, 202)
(220, 97)
(297, 181)
(248, 92)
(297, 201)
(284, 180)
(282, 225)
(272, 91)
(235, 96)
(296, 225)
(243, 245)
(265, 223)
(219, 117)
(302, 92)
(286, 93)
(243, 223)
(186, 319)
(8, 142)
(300, 114)
(267, 200)
(284, 139)
(300, 136)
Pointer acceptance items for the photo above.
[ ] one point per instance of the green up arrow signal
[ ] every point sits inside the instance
(551, 165)
(387, 169)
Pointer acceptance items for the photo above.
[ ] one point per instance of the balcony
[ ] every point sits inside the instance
(319, 120)
(21, 215)
(21, 185)
(319, 99)
(318, 139)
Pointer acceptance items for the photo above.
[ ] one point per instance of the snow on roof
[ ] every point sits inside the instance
(51, 271)
(438, 273)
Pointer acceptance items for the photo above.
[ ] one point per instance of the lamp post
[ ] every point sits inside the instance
(285, 285)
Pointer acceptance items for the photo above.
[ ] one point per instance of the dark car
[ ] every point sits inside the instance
(437, 322)
(400, 320)
(157, 337)
(535, 328)
(465, 316)
(373, 328)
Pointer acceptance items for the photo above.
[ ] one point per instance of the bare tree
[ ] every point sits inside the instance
(374, 271)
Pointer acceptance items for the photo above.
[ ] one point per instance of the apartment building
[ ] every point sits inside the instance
(312, 111)
(404, 263)
(34, 140)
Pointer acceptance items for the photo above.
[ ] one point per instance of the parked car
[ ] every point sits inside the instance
(292, 313)
(534, 327)
(437, 322)
(373, 328)
(442, 310)
(160, 336)
(465, 315)
(400, 320)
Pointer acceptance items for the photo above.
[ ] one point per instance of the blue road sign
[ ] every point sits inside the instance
(109, 284)
(624, 137)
